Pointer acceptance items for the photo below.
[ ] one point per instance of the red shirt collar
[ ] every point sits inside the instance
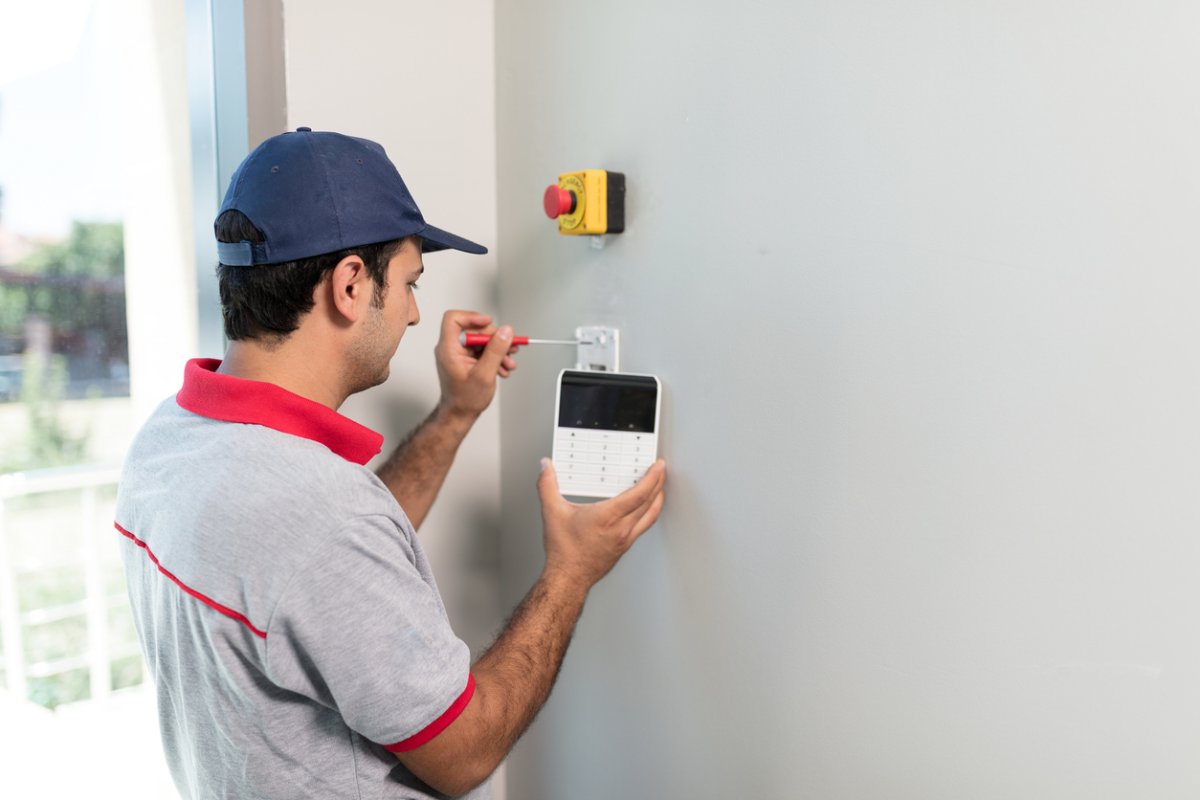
(211, 394)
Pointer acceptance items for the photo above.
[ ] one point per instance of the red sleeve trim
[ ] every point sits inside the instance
(438, 725)
(208, 601)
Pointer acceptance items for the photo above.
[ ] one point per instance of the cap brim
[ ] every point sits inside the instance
(433, 239)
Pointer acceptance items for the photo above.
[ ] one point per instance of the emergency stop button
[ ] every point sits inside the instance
(588, 202)
(558, 201)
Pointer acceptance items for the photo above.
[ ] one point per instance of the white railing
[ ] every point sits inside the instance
(97, 653)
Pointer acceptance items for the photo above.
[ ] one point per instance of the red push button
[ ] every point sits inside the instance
(558, 201)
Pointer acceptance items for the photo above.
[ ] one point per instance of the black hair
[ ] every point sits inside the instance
(267, 301)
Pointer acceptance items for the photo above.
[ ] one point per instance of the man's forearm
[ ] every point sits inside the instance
(517, 673)
(512, 681)
(514, 677)
(417, 468)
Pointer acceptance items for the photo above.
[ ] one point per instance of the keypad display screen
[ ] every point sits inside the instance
(611, 402)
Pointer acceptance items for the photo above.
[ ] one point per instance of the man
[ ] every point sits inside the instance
(289, 618)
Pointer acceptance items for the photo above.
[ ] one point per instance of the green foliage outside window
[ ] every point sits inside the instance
(76, 284)
(66, 687)
(75, 291)
(49, 443)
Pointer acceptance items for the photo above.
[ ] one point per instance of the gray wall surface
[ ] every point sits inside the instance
(920, 279)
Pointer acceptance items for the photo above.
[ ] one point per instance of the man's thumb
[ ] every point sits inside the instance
(497, 348)
(548, 481)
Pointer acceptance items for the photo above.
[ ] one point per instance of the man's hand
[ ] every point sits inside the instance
(417, 469)
(584, 541)
(468, 375)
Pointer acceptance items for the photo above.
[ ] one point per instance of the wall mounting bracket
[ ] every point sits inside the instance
(598, 349)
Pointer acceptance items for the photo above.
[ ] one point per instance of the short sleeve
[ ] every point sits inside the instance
(361, 631)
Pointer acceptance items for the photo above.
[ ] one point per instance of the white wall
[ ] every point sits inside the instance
(921, 281)
(418, 78)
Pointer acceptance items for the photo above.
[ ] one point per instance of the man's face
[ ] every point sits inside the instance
(385, 323)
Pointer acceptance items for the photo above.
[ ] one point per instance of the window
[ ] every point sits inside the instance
(97, 315)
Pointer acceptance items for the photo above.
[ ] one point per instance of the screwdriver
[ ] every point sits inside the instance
(481, 339)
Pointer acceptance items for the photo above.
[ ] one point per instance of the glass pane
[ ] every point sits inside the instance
(54, 690)
(55, 641)
(121, 631)
(127, 672)
(82, 89)
(43, 528)
(45, 590)
(64, 353)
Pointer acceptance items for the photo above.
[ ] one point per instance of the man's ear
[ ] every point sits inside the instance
(350, 287)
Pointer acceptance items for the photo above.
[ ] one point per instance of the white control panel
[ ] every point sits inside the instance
(606, 431)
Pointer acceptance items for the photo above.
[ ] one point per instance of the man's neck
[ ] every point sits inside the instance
(290, 365)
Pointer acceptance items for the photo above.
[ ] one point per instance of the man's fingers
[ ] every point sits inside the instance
(654, 495)
(456, 319)
(648, 518)
(454, 322)
(637, 498)
(495, 351)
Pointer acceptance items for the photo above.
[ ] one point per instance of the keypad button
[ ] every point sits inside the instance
(601, 463)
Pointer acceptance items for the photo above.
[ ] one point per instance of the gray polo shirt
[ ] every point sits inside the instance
(288, 616)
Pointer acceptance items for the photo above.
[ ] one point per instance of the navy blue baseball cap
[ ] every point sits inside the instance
(316, 192)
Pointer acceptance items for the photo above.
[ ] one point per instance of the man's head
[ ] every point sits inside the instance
(296, 207)
(266, 303)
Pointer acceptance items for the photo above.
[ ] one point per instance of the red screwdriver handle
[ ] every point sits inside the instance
(481, 339)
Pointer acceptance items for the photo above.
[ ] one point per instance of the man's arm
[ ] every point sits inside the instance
(514, 677)
(417, 468)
